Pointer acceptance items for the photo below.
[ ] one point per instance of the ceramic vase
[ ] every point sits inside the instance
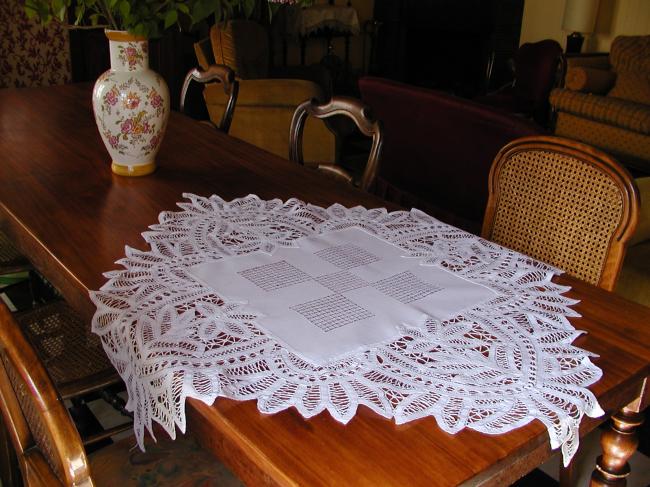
(131, 105)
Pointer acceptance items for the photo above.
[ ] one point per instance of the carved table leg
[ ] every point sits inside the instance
(619, 443)
(568, 474)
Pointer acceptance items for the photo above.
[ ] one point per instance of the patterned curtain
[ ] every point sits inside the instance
(30, 54)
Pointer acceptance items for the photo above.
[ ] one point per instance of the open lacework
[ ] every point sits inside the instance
(492, 367)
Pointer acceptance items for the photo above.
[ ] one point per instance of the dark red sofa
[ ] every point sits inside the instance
(438, 149)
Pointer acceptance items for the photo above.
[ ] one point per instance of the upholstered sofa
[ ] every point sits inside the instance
(266, 103)
(438, 149)
(605, 101)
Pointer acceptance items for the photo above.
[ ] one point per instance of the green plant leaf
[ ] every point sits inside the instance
(125, 8)
(79, 12)
(39, 9)
(248, 6)
(170, 18)
(139, 29)
(31, 9)
(202, 8)
(273, 9)
(144, 17)
(228, 11)
(58, 9)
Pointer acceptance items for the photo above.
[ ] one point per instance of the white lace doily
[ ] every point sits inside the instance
(493, 368)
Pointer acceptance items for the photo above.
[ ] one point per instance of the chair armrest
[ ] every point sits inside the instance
(642, 233)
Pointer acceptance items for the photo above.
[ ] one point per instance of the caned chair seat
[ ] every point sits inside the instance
(49, 449)
(564, 203)
(338, 105)
(71, 353)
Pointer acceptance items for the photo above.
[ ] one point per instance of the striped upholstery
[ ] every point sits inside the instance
(619, 122)
(243, 46)
(622, 113)
(632, 86)
(630, 59)
(630, 53)
(622, 143)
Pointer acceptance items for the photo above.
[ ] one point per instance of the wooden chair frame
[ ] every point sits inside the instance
(226, 76)
(64, 448)
(57, 318)
(48, 447)
(338, 105)
(591, 156)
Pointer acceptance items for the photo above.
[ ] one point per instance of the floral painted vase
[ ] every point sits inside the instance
(131, 105)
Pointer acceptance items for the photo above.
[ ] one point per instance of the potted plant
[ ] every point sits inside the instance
(130, 101)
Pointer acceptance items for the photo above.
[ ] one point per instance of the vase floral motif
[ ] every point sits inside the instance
(131, 105)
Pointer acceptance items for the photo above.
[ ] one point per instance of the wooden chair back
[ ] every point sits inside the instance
(215, 72)
(48, 446)
(564, 203)
(338, 105)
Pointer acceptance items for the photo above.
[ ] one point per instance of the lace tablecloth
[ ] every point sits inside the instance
(493, 367)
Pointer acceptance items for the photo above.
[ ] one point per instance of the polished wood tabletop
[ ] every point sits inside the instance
(66, 211)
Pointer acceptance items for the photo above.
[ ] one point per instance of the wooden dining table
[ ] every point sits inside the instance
(66, 211)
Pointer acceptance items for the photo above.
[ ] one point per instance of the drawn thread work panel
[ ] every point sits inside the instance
(338, 292)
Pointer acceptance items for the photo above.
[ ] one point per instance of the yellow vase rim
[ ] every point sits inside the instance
(123, 36)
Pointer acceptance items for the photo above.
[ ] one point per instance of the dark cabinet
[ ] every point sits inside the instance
(447, 44)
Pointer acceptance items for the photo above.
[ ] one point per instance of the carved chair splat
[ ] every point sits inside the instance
(338, 105)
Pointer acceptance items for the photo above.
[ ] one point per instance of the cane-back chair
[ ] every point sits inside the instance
(338, 105)
(48, 446)
(215, 72)
(563, 203)
(72, 355)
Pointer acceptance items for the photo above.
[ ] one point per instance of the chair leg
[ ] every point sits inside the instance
(32, 288)
(567, 475)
